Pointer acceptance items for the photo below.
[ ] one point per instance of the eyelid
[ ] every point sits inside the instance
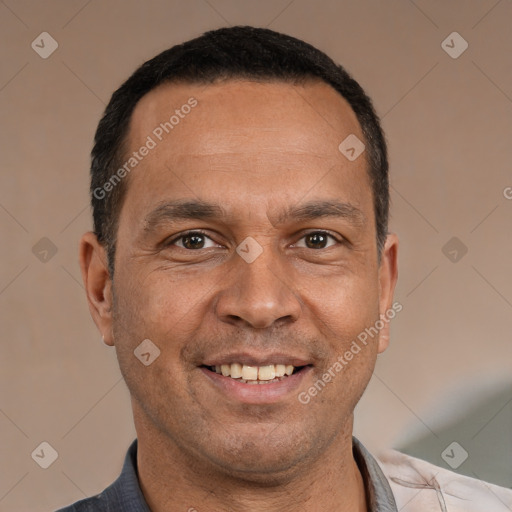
(338, 238)
(183, 234)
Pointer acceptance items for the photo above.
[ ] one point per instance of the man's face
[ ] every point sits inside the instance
(303, 284)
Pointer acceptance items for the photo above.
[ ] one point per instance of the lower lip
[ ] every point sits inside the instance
(257, 393)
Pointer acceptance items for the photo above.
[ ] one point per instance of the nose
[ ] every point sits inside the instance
(258, 294)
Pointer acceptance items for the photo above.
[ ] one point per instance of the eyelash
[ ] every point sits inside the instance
(203, 233)
(187, 233)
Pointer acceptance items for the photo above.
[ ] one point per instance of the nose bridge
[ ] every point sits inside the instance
(257, 291)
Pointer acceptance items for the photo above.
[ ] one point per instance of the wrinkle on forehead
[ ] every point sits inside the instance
(242, 141)
(235, 116)
(248, 143)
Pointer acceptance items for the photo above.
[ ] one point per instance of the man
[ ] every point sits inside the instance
(241, 267)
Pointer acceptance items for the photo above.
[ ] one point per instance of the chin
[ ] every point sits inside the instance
(264, 459)
(264, 472)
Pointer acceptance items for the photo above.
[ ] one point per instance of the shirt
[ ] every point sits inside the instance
(125, 495)
(419, 486)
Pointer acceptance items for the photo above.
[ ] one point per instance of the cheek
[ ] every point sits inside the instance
(163, 307)
(343, 313)
(148, 313)
(344, 304)
(162, 310)
(157, 304)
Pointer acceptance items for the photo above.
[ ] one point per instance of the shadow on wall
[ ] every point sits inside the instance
(478, 445)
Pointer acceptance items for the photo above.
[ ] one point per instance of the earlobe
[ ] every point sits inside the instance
(388, 275)
(383, 339)
(97, 283)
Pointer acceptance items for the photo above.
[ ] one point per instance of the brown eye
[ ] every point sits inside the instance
(317, 240)
(193, 240)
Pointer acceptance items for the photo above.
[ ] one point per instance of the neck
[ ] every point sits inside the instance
(172, 478)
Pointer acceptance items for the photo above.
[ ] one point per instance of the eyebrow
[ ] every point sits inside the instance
(186, 209)
(322, 208)
(182, 210)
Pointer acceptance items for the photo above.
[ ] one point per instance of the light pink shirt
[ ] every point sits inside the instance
(419, 486)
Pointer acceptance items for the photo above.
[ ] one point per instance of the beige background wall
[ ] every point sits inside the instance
(447, 376)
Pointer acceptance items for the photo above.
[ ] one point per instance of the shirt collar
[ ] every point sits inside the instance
(379, 496)
(127, 493)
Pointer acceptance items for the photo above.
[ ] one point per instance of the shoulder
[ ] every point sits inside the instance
(106, 501)
(96, 503)
(122, 495)
(420, 486)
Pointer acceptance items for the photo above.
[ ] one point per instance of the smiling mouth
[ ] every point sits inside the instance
(246, 374)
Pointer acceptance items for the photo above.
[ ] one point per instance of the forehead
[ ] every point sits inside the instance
(311, 117)
(243, 138)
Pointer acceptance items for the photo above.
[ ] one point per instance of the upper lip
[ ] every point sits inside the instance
(255, 359)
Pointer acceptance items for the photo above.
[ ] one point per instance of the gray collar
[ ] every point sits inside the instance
(379, 495)
(125, 495)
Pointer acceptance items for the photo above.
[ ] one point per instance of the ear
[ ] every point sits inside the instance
(388, 275)
(97, 282)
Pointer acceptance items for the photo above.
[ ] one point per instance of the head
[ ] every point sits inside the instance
(240, 234)
(226, 54)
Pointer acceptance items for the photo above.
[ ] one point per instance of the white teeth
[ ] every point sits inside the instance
(249, 372)
(266, 372)
(280, 370)
(254, 374)
(236, 371)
